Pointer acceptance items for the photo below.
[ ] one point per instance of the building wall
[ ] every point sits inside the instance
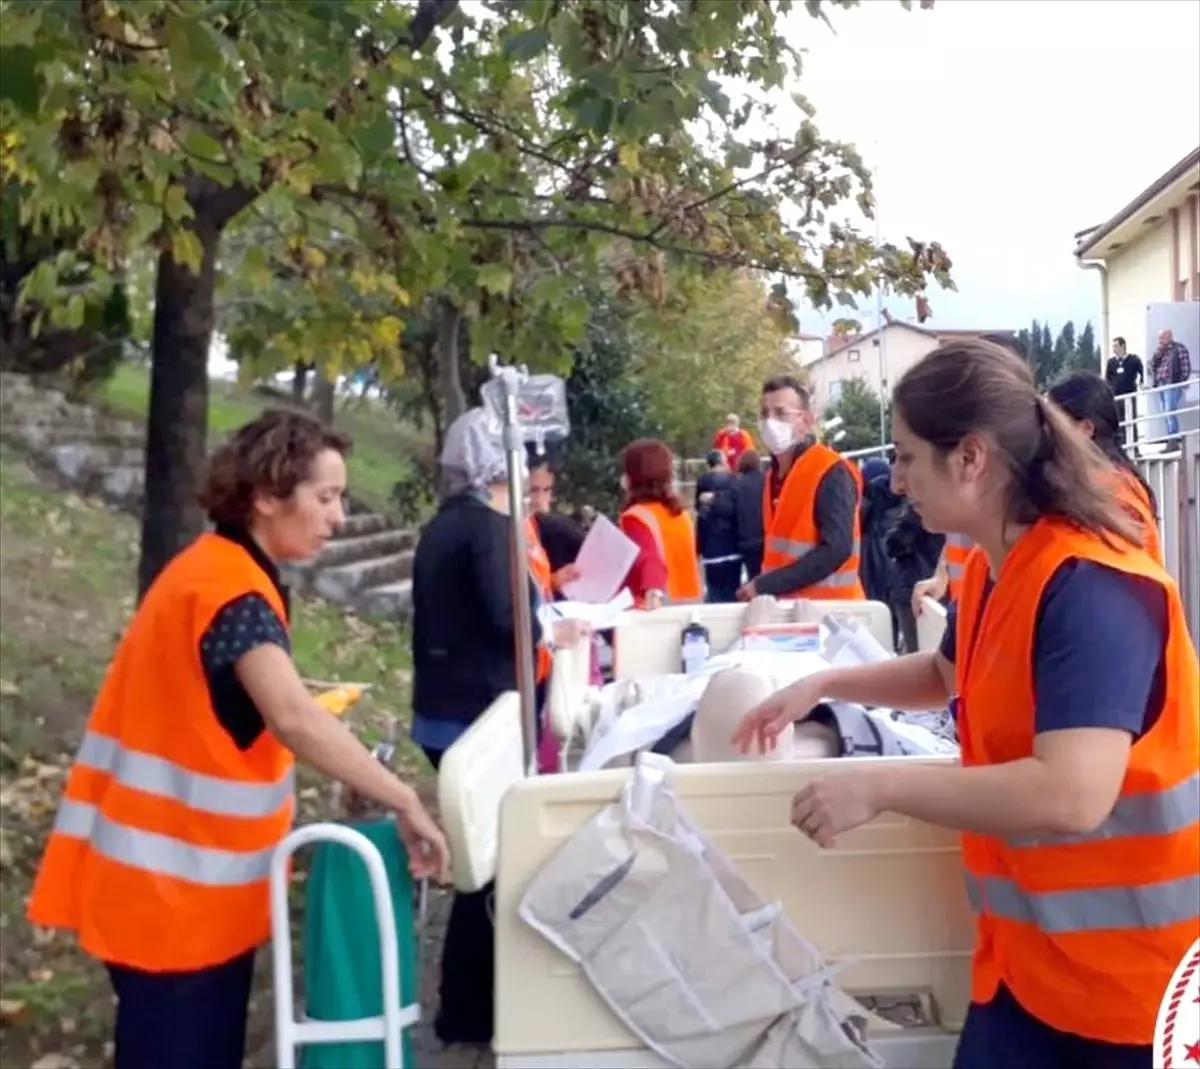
(805, 351)
(901, 350)
(1139, 274)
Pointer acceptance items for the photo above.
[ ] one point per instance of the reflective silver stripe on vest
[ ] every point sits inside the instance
(798, 549)
(1096, 909)
(1138, 815)
(159, 854)
(959, 541)
(165, 779)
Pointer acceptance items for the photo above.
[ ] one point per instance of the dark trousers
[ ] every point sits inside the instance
(465, 1010)
(1002, 1034)
(722, 581)
(182, 1020)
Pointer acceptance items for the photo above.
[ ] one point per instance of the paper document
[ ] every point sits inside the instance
(604, 561)
(599, 617)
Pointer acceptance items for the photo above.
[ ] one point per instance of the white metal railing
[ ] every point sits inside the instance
(1145, 424)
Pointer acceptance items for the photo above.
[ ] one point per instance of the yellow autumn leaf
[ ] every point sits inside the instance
(314, 257)
(386, 332)
(187, 250)
(629, 156)
(364, 282)
(397, 292)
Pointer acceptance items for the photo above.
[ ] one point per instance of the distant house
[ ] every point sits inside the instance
(879, 357)
(805, 348)
(1147, 253)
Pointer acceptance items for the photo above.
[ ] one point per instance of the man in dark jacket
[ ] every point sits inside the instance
(748, 495)
(716, 531)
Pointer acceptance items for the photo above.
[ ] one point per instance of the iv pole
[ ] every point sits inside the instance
(510, 379)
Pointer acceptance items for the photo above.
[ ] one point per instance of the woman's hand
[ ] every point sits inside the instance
(830, 806)
(933, 587)
(428, 853)
(763, 725)
(568, 573)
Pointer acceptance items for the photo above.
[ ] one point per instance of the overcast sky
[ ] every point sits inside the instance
(1005, 126)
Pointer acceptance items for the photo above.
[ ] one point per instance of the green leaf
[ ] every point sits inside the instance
(176, 206)
(377, 137)
(528, 44)
(75, 312)
(204, 146)
(18, 76)
(495, 278)
(596, 113)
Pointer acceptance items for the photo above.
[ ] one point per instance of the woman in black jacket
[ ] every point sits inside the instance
(463, 660)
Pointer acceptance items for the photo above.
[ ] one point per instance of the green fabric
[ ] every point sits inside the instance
(342, 973)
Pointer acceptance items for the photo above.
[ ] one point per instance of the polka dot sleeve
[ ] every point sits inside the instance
(242, 625)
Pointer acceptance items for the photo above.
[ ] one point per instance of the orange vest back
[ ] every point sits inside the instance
(1085, 930)
(162, 846)
(539, 567)
(1137, 502)
(791, 529)
(676, 540)
(957, 548)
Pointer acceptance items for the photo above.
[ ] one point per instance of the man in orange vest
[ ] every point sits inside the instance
(810, 505)
(731, 440)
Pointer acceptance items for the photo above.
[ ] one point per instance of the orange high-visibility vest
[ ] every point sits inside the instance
(162, 846)
(1137, 503)
(1085, 930)
(675, 538)
(791, 529)
(957, 548)
(539, 567)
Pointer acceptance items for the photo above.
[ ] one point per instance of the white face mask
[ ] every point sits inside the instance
(778, 435)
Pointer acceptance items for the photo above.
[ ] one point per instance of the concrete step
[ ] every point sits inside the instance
(343, 582)
(365, 547)
(39, 437)
(362, 523)
(389, 601)
(82, 460)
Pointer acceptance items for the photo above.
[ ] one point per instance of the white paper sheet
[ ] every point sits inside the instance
(599, 617)
(604, 561)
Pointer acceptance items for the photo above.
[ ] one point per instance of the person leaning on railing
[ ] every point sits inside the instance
(183, 784)
(1078, 710)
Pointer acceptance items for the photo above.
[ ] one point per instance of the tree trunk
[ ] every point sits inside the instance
(450, 390)
(177, 431)
(323, 398)
(299, 382)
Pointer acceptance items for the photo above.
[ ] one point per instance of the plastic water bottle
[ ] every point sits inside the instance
(696, 647)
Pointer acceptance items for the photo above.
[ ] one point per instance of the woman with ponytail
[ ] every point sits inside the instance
(1077, 700)
(1089, 401)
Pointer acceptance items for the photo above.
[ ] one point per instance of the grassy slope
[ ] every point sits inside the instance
(383, 446)
(67, 573)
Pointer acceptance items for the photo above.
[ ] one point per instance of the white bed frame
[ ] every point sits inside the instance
(888, 899)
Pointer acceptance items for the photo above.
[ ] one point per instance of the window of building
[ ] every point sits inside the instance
(854, 356)
(835, 391)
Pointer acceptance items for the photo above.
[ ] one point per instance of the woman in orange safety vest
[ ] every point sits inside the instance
(1089, 401)
(1078, 713)
(182, 787)
(667, 566)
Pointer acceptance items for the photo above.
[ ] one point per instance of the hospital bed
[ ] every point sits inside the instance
(887, 901)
